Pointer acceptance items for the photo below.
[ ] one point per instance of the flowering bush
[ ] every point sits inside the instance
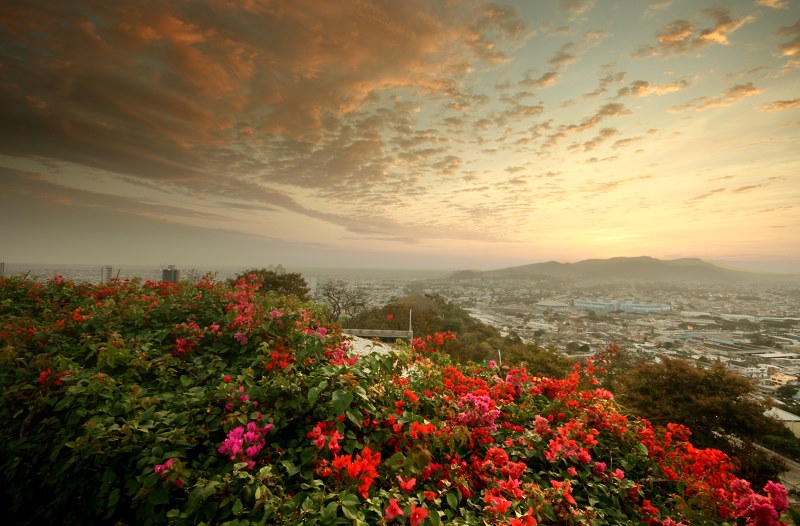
(162, 403)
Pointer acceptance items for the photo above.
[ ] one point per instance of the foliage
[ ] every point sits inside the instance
(538, 360)
(716, 404)
(283, 284)
(476, 341)
(197, 403)
(342, 299)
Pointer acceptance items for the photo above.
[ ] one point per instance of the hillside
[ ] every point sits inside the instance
(625, 268)
(200, 403)
(476, 340)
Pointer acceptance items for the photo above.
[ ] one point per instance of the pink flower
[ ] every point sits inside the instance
(392, 510)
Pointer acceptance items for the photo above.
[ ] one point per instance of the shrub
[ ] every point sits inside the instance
(161, 403)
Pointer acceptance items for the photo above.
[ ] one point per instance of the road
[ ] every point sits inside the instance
(791, 478)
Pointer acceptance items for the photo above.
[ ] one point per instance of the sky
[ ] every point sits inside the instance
(431, 134)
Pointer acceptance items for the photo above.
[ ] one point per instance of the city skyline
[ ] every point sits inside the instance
(400, 134)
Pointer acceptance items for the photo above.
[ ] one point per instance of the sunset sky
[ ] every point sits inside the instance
(399, 134)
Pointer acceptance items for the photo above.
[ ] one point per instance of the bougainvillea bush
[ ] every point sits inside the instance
(201, 403)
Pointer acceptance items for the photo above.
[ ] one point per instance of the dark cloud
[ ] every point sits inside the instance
(180, 93)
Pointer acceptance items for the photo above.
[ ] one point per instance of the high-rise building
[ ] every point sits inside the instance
(170, 273)
(105, 274)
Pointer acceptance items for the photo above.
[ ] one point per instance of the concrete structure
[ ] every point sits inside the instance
(600, 305)
(558, 306)
(171, 274)
(644, 307)
(782, 379)
(786, 418)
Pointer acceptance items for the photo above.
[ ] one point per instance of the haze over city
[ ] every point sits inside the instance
(400, 134)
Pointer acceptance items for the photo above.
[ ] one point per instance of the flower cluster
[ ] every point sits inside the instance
(243, 444)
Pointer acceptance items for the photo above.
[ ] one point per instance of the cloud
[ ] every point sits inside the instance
(774, 4)
(681, 36)
(730, 97)
(177, 94)
(576, 8)
(563, 57)
(791, 48)
(543, 81)
(612, 109)
(601, 137)
(748, 188)
(707, 194)
(781, 105)
(604, 83)
(642, 88)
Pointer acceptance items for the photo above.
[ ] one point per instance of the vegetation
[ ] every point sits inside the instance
(283, 284)
(477, 341)
(716, 404)
(341, 299)
(201, 403)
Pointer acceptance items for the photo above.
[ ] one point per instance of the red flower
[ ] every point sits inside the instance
(43, 376)
(392, 510)
(406, 485)
(390, 316)
(417, 515)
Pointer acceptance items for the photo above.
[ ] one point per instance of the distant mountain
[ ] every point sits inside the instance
(623, 268)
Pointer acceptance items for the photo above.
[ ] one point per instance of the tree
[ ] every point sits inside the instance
(538, 360)
(343, 299)
(287, 284)
(716, 404)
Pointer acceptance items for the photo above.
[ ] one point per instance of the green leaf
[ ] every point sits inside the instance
(291, 469)
(185, 380)
(341, 401)
(329, 511)
(452, 500)
(313, 395)
(113, 498)
(237, 507)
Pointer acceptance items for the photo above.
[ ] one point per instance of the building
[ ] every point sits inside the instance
(105, 274)
(786, 418)
(601, 305)
(556, 306)
(780, 379)
(641, 307)
(171, 274)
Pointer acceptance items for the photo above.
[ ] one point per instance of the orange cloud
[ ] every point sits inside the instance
(774, 4)
(642, 88)
(730, 97)
(781, 105)
(681, 37)
(791, 48)
(612, 109)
